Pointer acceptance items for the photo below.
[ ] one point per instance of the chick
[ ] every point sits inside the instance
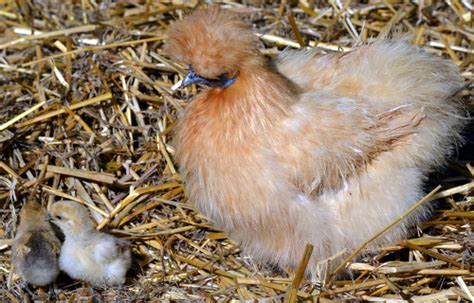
(35, 248)
(88, 254)
(320, 149)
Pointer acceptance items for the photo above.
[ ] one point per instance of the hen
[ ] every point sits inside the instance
(320, 149)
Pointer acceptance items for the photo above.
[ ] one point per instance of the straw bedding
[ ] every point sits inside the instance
(87, 112)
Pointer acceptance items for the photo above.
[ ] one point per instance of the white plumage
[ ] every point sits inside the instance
(88, 254)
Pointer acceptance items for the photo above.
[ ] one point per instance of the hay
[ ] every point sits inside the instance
(87, 108)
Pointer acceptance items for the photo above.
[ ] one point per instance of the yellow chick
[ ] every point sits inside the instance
(310, 148)
(35, 248)
(88, 254)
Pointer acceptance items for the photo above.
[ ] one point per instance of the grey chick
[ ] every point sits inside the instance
(88, 254)
(35, 248)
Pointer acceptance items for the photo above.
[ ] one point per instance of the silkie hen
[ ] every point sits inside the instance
(326, 150)
(35, 248)
(88, 254)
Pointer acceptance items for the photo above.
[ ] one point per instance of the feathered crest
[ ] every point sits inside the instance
(213, 41)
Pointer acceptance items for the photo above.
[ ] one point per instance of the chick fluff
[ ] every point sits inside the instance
(35, 248)
(309, 148)
(88, 254)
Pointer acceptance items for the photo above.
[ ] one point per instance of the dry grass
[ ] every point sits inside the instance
(87, 113)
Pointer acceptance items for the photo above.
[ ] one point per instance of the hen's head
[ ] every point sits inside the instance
(215, 44)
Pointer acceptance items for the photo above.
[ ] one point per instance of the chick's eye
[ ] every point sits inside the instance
(59, 217)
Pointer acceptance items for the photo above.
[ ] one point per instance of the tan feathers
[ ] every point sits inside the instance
(320, 149)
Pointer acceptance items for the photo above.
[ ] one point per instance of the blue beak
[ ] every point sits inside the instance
(192, 78)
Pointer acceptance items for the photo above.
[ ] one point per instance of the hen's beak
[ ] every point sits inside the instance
(193, 78)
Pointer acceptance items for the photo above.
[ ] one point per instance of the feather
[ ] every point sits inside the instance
(310, 148)
(35, 247)
(88, 254)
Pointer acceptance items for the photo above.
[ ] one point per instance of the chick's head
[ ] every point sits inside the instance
(71, 217)
(215, 44)
(32, 209)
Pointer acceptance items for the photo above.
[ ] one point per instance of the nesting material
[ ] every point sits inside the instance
(87, 112)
